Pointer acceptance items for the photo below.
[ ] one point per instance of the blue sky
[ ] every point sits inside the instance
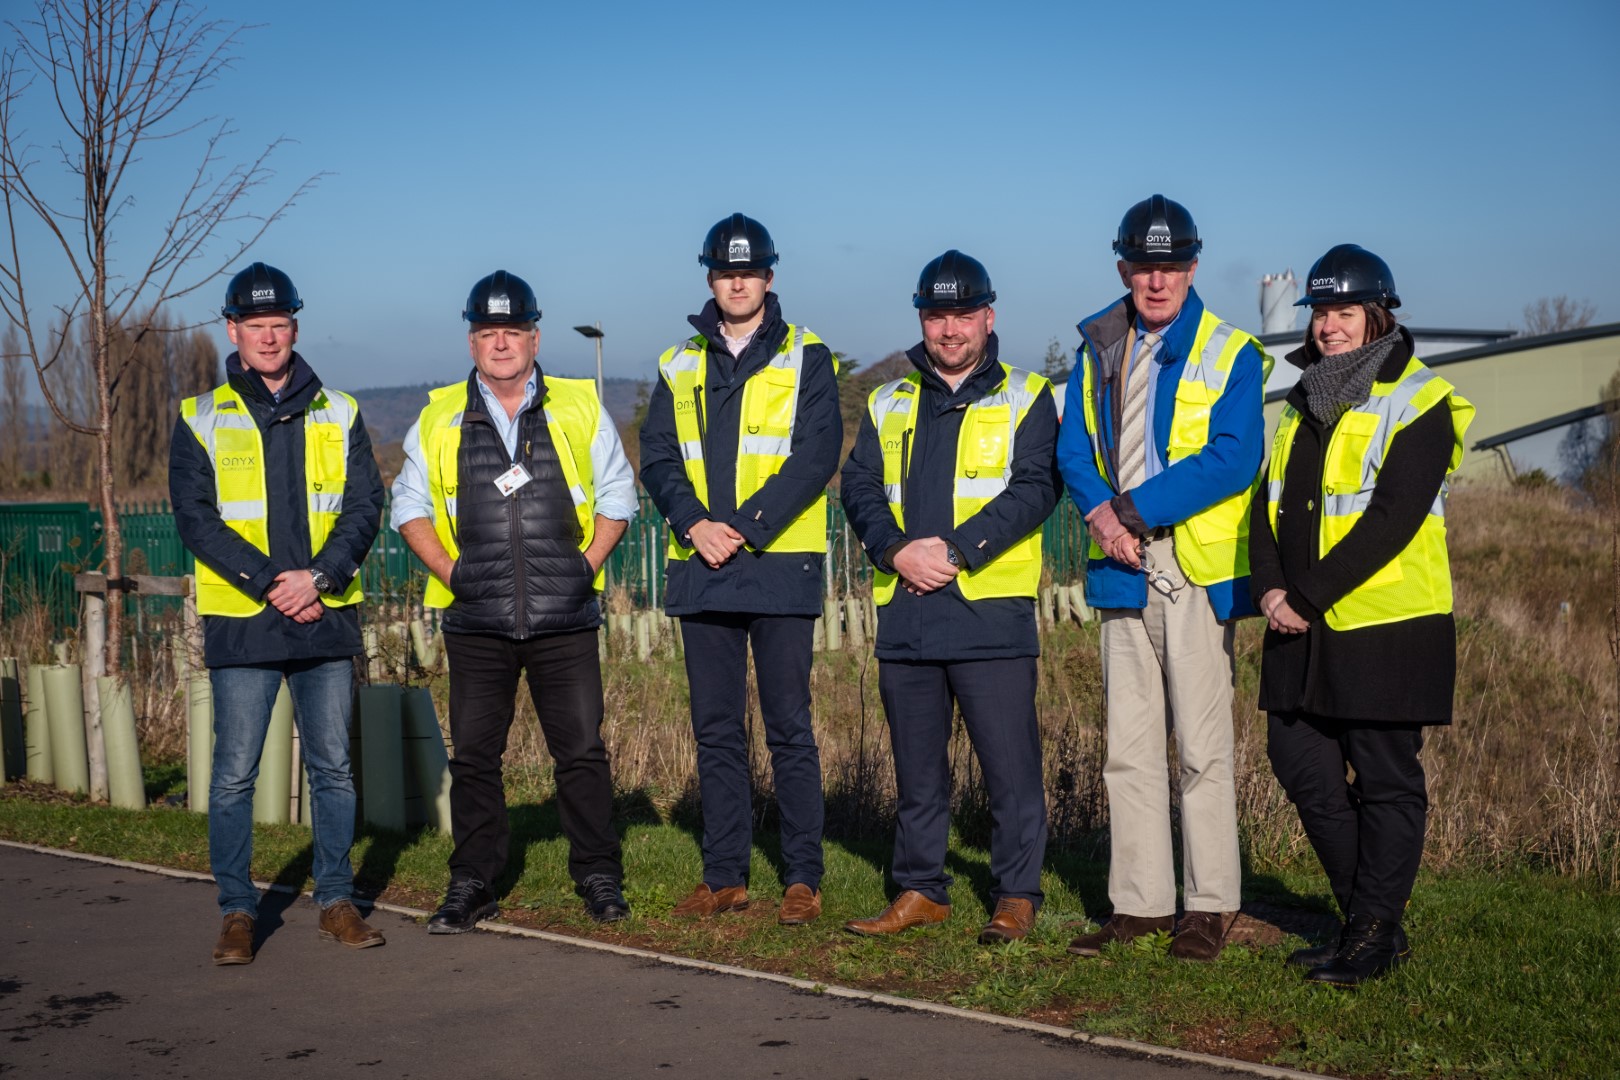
(589, 147)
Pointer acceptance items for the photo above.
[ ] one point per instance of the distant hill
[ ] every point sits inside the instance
(391, 410)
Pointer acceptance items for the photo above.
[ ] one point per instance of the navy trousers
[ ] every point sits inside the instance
(716, 645)
(1368, 832)
(997, 698)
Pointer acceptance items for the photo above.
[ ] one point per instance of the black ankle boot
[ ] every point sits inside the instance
(1317, 955)
(1368, 948)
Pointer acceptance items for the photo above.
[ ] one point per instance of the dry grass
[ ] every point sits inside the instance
(1526, 775)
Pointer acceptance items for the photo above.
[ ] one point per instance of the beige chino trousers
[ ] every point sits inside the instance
(1168, 667)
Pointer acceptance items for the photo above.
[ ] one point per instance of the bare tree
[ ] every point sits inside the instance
(121, 74)
(1551, 314)
(13, 407)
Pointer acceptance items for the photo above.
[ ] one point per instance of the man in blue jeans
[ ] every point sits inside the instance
(276, 493)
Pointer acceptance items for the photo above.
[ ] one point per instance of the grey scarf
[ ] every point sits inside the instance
(1335, 384)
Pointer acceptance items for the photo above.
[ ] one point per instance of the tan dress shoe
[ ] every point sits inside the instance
(910, 908)
(235, 944)
(800, 904)
(705, 901)
(1013, 920)
(342, 923)
(1201, 936)
(1119, 928)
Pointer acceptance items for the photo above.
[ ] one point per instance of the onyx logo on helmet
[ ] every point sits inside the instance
(1157, 229)
(953, 280)
(501, 298)
(1350, 274)
(738, 242)
(260, 290)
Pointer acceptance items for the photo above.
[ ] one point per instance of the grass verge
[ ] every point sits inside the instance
(1515, 975)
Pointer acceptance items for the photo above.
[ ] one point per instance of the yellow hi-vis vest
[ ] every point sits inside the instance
(572, 413)
(770, 407)
(222, 424)
(1212, 545)
(1418, 580)
(985, 448)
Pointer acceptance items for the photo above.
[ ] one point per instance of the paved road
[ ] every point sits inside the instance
(104, 972)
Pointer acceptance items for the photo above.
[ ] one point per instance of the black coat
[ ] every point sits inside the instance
(945, 625)
(755, 581)
(270, 636)
(1401, 672)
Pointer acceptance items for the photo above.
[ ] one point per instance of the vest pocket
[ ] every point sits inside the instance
(1189, 424)
(768, 410)
(983, 446)
(1342, 474)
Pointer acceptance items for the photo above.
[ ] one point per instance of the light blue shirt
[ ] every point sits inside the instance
(615, 481)
(1155, 463)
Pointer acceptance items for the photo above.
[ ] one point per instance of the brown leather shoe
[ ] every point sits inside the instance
(342, 923)
(910, 908)
(800, 904)
(1119, 928)
(1013, 920)
(235, 944)
(704, 901)
(1200, 936)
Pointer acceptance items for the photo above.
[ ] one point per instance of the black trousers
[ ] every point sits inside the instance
(997, 698)
(1368, 832)
(565, 682)
(717, 646)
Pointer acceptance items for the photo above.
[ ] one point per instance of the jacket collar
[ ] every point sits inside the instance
(1106, 330)
(772, 330)
(476, 390)
(301, 387)
(985, 378)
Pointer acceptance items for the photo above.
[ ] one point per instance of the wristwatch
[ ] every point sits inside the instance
(952, 556)
(323, 584)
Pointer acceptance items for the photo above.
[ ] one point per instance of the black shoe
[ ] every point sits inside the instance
(1369, 948)
(465, 902)
(1321, 954)
(604, 901)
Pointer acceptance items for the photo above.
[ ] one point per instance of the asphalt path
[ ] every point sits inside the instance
(105, 972)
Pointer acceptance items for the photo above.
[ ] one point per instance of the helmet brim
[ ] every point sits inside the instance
(1183, 254)
(1389, 300)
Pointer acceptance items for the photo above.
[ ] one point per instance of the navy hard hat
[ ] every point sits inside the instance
(738, 242)
(953, 280)
(502, 298)
(1350, 274)
(260, 290)
(1157, 230)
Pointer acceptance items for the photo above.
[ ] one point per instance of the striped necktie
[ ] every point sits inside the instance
(1133, 417)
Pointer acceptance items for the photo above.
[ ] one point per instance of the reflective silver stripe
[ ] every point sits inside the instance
(692, 451)
(455, 421)
(450, 506)
(980, 487)
(889, 398)
(892, 492)
(1390, 409)
(684, 357)
(205, 405)
(246, 510)
(1205, 367)
(577, 493)
(325, 502)
(767, 445)
(1274, 491)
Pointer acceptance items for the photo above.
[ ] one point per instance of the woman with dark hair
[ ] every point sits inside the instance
(1348, 563)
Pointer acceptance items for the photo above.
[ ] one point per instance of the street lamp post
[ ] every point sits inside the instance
(595, 333)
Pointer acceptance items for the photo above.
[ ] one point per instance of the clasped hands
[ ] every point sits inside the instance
(715, 542)
(1279, 615)
(925, 565)
(1117, 542)
(294, 595)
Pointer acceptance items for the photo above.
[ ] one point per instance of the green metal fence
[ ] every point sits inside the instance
(42, 545)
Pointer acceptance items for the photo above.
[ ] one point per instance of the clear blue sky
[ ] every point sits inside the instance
(589, 147)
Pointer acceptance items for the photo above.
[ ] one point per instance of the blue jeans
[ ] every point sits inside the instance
(323, 700)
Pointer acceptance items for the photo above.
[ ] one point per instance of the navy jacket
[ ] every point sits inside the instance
(945, 625)
(755, 581)
(270, 636)
(1227, 464)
